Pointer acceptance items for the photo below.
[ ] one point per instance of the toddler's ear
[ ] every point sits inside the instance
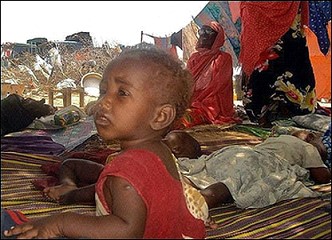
(164, 117)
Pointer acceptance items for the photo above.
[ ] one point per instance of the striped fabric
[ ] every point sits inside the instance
(18, 170)
(297, 218)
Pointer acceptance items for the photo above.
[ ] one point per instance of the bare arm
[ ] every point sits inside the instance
(216, 194)
(320, 175)
(126, 221)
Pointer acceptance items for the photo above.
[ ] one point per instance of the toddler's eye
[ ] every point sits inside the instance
(123, 93)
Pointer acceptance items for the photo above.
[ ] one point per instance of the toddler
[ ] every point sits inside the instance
(140, 193)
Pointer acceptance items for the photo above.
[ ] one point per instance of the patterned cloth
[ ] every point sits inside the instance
(70, 136)
(10, 218)
(294, 150)
(167, 213)
(189, 39)
(257, 176)
(263, 23)
(327, 142)
(320, 14)
(281, 81)
(311, 215)
(165, 44)
(31, 144)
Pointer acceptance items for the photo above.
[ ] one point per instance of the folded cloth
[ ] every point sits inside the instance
(34, 144)
(10, 218)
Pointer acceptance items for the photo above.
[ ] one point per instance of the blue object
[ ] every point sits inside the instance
(319, 15)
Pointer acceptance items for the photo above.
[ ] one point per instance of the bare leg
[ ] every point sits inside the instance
(75, 174)
(82, 195)
(216, 194)
(57, 191)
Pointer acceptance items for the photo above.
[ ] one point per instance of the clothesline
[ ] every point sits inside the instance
(149, 35)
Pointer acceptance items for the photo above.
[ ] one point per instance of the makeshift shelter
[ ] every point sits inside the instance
(227, 13)
(23, 160)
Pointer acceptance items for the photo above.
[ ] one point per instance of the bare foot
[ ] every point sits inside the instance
(57, 191)
(211, 224)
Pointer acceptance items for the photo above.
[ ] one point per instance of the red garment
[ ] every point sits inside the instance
(263, 23)
(212, 69)
(167, 213)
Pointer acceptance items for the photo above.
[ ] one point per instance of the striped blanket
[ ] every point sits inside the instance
(301, 218)
(18, 170)
(296, 218)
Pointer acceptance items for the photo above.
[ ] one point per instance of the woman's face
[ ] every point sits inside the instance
(206, 37)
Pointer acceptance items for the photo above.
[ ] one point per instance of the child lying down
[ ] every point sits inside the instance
(252, 177)
(257, 176)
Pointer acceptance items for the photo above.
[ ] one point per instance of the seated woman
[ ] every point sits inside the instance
(211, 67)
(256, 176)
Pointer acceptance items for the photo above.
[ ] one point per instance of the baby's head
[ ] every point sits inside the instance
(314, 139)
(182, 144)
(144, 80)
(166, 78)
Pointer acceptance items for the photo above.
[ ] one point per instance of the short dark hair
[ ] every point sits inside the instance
(174, 82)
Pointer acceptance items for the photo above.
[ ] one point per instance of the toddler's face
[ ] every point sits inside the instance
(126, 105)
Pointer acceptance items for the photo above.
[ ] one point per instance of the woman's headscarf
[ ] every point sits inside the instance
(200, 59)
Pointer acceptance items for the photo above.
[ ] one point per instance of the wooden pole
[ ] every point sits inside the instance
(141, 36)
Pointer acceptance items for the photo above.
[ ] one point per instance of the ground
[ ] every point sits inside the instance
(58, 100)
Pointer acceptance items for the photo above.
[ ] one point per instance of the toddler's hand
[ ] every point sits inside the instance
(42, 228)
